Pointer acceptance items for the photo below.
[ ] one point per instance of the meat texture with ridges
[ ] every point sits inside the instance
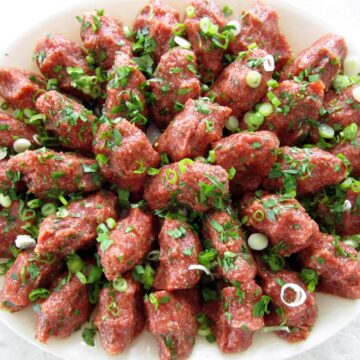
(179, 249)
(192, 131)
(49, 173)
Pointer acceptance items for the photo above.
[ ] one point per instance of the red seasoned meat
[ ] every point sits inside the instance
(208, 54)
(260, 25)
(251, 154)
(348, 287)
(126, 154)
(351, 150)
(48, 173)
(54, 54)
(232, 319)
(308, 170)
(9, 180)
(193, 129)
(76, 228)
(284, 221)
(231, 89)
(175, 83)
(124, 95)
(341, 108)
(70, 121)
(157, 21)
(330, 258)
(193, 184)
(131, 240)
(11, 225)
(104, 36)
(300, 104)
(300, 319)
(334, 212)
(12, 129)
(171, 319)
(19, 88)
(323, 59)
(179, 248)
(120, 316)
(29, 272)
(235, 262)
(65, 310)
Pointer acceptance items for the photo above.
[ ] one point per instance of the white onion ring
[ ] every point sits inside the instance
(269, 63)
(201, 268)
(347, 205)
(300, 294)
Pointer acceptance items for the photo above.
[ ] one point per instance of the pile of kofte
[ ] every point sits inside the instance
(245, 205)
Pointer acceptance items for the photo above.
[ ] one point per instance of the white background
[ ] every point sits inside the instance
(18, 15)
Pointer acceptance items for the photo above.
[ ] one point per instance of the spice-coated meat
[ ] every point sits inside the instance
(192, 131)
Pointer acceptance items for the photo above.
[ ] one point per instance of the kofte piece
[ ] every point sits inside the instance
(20, 88)
(283, 220)
(195, 185)
(156, 23)
(351, 150)
(341, 109)
(260, 25)
(245, 152)
(171, 320)
(192, 131)
(55, 55)
(209, 55)
(125, 154)
(300, 106)
(103, 36)
(232, 87)
(70, 121)
(235, 262)
(120, 317)
(286, 309)
(49, 173)
(232, 319)
(29, 272)
(306, 170)
(179, 249)
(12, 129)
(175, 81)
(347, 288)
(321, 61)
(75, 227)
(9, 180)
(330, 258)
(341, 211)
(130, 241)
(65, 310)
(13, 221)
(125, 97)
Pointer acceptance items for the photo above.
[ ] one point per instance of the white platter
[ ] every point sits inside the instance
(301, 28)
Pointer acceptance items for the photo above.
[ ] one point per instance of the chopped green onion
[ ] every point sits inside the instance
(356, 93)
(63, 200)
(34, 204)
(28, 214)
(232, 124)
(341, 82)
(62, 213)
(3, 153)
(5, 200)
(74, 263)
(190, 11)
(110, 223)
(350, 132)
(48, 209)
(273, 84)
(265, 109)
(212, 156)
(273, 99)
(258, 241)
(183, 163)
(352, 66)
(120, 284)
(123, 196)
(253, 79)
(21, 145)
(326, 131)
(171, 176)
(37, 119)
(39, 294)
(253, 119)
(185, 44)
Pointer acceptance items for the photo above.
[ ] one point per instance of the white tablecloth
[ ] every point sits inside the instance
(15, 15)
